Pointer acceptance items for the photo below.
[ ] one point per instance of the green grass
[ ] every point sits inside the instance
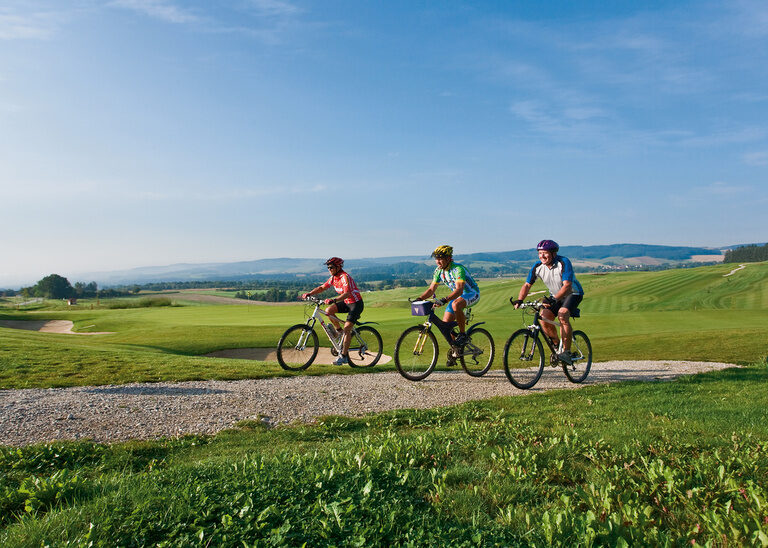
(676, 314)
(683, 463)
(673, 463)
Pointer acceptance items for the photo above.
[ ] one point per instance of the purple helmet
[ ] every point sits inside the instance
(548, 245)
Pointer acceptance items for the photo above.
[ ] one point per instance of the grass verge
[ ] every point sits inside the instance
(675, 463)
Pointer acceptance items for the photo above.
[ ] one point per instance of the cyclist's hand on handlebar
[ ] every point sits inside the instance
(328, 301)
(439, 302)
(516, 302)
(304, 296)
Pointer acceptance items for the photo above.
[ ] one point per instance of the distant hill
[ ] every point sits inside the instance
(488, 264)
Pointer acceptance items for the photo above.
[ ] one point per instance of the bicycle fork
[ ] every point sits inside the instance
(421, 340)
(526, 354)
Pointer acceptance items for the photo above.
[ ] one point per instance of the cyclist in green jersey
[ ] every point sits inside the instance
(464, 290)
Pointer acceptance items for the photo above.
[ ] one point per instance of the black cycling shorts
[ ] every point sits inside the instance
(571, 302)
(352, 311)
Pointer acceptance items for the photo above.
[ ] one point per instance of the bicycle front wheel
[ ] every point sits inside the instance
(416, 353)
(365, 347)
(581, 356)
(478, 354)
(523, 359)
(297, 348)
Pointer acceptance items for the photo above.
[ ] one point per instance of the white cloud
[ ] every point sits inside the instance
(758, 158)
(34, 25)
(100, 191)
(725, 137)
(748, 18)
(720, 188)
(274, 8)
(158, 9)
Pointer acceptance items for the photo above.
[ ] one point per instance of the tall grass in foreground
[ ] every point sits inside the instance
(676, 463)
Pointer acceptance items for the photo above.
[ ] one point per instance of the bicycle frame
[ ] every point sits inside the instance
(537, 330)
(446, 328)
(317, 315)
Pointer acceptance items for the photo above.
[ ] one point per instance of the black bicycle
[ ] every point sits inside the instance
(416, 351)
(524, 353)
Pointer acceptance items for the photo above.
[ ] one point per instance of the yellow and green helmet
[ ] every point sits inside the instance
(442, 251)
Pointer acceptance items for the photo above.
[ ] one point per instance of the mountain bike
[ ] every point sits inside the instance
(416, 350)
(524, 353)
(298, 346)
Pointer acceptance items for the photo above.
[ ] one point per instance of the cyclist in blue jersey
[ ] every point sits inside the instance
(565, 293)
(464, 290)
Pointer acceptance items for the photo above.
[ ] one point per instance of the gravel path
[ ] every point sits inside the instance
(154, 410)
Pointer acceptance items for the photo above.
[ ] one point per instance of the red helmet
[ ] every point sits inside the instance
(548, 245)
(335, 261)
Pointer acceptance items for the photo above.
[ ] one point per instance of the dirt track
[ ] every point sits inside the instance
(146, 411)
(47, 326)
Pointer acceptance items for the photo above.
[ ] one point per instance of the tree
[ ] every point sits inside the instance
(54, 287)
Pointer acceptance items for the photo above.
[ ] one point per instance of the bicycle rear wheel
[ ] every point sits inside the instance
(365, 347)
(523, 359)
(581, 354)
(416, 353)
(297, 348)
(478, 354)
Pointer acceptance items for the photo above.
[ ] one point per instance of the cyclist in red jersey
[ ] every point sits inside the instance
(349, 302)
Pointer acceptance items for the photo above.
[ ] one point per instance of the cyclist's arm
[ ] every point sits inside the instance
(319, 289)
(429, 292)
(564, 291)
(340, 298)
(456, 293)
(523, 293)
(316, 290)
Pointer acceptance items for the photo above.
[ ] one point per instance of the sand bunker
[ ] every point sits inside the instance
(324, 355)
(47, 326)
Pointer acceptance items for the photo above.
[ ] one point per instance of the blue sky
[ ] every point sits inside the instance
(151, 132)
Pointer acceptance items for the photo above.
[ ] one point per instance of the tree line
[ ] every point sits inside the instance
(747, 254)
(54, 286)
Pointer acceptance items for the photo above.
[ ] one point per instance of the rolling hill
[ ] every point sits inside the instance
(487, 264)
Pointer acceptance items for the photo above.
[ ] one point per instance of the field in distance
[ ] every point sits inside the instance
(688, 314)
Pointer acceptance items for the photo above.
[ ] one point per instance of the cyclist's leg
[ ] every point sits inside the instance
(457, 306)
(354, 312)
(566, 331)
(456, 309)
(449, 316)
(549, 329)
(333, 310)
(570, 303)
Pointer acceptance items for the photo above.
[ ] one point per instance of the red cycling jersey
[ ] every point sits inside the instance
(343, 282)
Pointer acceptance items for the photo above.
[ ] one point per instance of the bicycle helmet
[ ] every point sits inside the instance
(442, 251)
(548, 245)
(335, 261)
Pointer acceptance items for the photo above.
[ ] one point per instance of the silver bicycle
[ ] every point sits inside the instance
(298, 346)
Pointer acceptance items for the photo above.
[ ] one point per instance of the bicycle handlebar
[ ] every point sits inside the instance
(527, 304)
